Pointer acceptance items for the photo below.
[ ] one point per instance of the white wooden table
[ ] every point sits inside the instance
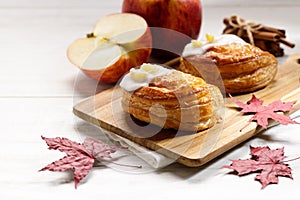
(38, 88)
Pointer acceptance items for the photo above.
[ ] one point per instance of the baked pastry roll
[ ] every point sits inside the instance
(242, 67)
(172, 99)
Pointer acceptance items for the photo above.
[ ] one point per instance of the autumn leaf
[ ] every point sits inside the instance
(80, 157)
(263, 113)
(98, 149)
(269, 163)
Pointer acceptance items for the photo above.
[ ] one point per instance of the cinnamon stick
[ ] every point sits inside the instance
(272, 47)
(226, 21)
(275, 49)
(280, 32)
(265, 37)
(270, 36)
(261, 44)
(287, 43)
(228, 30)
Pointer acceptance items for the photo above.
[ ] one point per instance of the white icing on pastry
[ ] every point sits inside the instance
(200, 47)
(141, 77)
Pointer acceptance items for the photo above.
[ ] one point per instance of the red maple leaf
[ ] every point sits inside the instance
(263, 113)
(268, 162)
(80, 157)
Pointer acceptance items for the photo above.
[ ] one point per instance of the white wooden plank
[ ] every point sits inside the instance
(60, 4)
(247, 3)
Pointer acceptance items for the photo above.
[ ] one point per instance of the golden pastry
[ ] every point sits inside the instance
(243, 67)
(170, 98)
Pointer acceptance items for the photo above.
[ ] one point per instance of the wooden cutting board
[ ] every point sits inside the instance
(191, 149)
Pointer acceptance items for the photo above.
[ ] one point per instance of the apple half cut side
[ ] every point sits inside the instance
(118, 43)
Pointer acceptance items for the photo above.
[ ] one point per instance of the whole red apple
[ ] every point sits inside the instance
(179, 20)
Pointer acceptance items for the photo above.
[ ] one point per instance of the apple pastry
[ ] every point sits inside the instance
(242, 67)
(170, 98)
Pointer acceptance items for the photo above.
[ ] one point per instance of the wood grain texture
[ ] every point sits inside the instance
(191, 149)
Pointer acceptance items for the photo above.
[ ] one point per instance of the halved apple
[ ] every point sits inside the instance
(118, 43)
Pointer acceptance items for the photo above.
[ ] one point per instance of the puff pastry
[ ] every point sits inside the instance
(243, 67)
(176, 100)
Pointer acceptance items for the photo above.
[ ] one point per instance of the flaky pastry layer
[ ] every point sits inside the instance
(177, 100)
(243, 67)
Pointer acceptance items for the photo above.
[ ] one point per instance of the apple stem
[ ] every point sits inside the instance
(90, 35)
